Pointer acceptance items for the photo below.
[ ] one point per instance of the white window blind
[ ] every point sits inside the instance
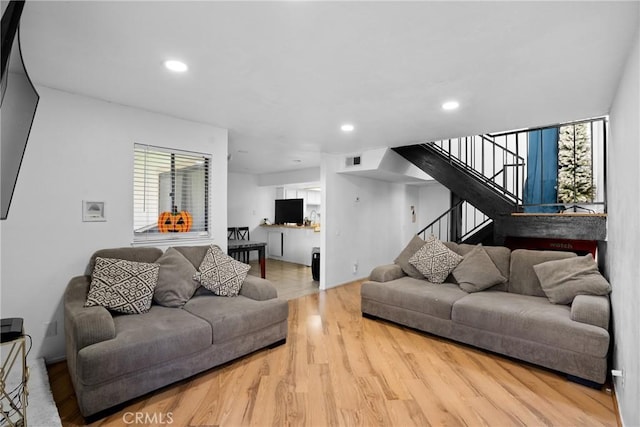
(170, 193)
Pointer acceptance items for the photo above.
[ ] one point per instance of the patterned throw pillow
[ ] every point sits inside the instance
(220, 273)
(122, 286)
(434, 260)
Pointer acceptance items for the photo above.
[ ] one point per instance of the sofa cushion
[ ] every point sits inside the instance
(195, 254)
(403, 259)
(530, 318)
(562, 280)
(139, 254)
(143, 340)
(257, 288)
(122, 286)
(220, 273)
(386, 273)
(235, 317)
(591, 309)
(476, 271)
(175, 279)
(523, 279)
(416, 295)
(434, 260)
(500, 255)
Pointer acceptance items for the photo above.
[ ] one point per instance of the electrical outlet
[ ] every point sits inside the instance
(51, 329)
(355, 267)
(618, 376)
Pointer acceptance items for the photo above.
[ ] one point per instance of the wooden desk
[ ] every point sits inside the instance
(239, 246)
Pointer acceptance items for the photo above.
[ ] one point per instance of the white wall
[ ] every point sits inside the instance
(82, 148)
(364, 221)
(435, 199)
(295, 244)
(248, 204)
(623, 246)
(382, 163)
(298, 176)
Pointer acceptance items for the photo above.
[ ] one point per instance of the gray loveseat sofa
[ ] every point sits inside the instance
(113, 358)
(514, 318)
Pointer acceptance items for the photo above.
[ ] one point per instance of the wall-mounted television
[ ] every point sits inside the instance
(289, 211)
(17, 105)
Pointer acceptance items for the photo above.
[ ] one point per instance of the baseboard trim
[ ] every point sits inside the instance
(52, 360)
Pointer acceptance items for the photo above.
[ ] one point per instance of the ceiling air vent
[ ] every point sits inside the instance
(352, 161)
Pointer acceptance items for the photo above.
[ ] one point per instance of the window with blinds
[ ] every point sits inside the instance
(170, 193)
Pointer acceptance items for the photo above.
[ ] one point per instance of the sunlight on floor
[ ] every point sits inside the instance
(291, 280)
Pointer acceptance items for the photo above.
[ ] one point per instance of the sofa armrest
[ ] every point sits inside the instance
(85, 326)
(257, 288)
(592, 310)
(386, 273)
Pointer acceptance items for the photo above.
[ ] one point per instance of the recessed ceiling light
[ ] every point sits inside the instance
(450, 105)
(347, 127)
(177, 66)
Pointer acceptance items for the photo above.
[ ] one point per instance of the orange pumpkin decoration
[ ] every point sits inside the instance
(179, 222)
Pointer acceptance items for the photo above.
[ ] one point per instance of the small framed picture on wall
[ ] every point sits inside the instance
(93, 211)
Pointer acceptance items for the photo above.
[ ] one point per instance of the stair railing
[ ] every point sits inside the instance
(581, 165)
(499, 160)
(457, 223)
(492, 163)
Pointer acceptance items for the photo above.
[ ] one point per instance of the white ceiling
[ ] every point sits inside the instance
(283, 76)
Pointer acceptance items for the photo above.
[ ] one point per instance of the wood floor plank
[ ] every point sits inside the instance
(322, 409)
(340, 369)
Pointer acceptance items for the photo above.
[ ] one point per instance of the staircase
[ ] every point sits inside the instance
(488, 173)
(461, 223)
(474, 168)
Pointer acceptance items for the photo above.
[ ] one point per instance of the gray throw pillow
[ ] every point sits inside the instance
(477, 272)
(434, 260)
(564, 279)
(403, 259)
(122, 286)
(220, 273)
(175, 279)
(195, 254)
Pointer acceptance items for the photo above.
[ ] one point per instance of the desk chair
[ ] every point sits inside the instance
(232, 233)
(242, 233)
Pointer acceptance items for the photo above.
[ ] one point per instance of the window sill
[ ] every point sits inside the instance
(184, 241)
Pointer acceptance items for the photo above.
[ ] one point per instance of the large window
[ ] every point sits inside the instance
(170, 193)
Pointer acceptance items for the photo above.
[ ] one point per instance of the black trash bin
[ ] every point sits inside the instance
(315, 263)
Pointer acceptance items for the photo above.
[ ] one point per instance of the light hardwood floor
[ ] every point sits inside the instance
(291, 280)
(338, 368)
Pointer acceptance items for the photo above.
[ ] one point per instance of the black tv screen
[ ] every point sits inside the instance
(289, 211)
(17, 106)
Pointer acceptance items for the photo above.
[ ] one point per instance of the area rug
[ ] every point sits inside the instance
(41, 410)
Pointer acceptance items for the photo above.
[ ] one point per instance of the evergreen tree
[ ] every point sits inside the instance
(575, 180)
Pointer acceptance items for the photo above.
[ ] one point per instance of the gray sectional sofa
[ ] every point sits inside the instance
(514, 318)
(113, 358)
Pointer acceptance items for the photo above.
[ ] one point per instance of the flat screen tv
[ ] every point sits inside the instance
(17, 105)
(289, 211)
